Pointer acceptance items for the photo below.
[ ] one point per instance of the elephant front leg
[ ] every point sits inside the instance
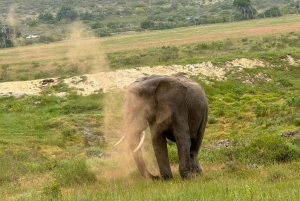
(161, 152)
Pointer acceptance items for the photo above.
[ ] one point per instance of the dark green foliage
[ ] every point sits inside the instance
(73, 172)
(66, 12)
(122, 17)
(293, 102)
(266, 149)
(86, 16)
(272, 12)
(6, 35)
(52, 191)
(46, 17)
(147, 24)
(103, 33)
(260, 110)
(245, 7)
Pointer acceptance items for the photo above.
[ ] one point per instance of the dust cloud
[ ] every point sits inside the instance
(85, 51)
(11, 18)
(114, 124)
(121, 159)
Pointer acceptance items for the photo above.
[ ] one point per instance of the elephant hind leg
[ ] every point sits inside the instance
(195, 147)
(194, 163)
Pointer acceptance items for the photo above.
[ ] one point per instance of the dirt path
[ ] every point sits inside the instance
(120, 79)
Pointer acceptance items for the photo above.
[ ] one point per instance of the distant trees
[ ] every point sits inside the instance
(245, 8)
(135, 15)
(147, 24)
(272, 12)
(6, 34)
(46, 17)
(296, 4)
(66, 12)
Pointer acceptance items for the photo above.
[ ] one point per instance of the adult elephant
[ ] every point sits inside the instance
(175, 108)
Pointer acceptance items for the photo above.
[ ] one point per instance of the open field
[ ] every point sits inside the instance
(61, 147)
(88, 55)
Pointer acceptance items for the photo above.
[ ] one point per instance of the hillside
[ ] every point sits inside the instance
(61, 113)
(51, 21)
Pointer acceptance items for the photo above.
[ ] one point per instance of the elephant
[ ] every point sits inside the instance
(175, 108)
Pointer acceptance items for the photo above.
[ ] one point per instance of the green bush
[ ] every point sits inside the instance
(297, 121)
(73, 172)
(52, 191)
(267, 149)
(294, 102)
(271, 149)
(260, 110)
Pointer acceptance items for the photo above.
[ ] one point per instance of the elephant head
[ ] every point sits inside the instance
(153, 101)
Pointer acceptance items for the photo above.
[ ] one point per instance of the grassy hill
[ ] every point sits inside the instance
(62, 147)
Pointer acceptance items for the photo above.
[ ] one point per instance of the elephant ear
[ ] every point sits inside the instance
(170, 94)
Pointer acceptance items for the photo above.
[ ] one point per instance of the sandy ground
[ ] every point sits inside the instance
(120, 79)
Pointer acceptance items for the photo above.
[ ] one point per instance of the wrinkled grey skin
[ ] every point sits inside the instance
(175, 108)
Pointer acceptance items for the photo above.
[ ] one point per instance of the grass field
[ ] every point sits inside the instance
(88, 55)
(61, 148)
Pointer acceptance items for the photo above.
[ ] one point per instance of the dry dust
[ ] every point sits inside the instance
(86, 51)
(11, 14)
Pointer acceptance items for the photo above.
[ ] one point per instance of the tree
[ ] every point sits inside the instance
(245, 8)
(46, 17)
(147, 24)
(273, 12)
(6, 34)
(66, 12)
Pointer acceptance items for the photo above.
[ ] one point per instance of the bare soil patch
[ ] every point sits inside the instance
(118, 80)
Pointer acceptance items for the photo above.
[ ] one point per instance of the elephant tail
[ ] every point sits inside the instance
(201, 129)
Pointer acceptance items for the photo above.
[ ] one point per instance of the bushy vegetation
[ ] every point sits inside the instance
(216, 51)
(48, 19)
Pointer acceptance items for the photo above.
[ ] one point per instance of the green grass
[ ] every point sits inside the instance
(259, 164)
(266, 48)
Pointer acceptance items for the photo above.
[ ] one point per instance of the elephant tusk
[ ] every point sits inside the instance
(121, 140)
(141, 142)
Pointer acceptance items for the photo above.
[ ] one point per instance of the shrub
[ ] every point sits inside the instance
(297, 121)
(260, 110)
(294, 102)
(52, 191)
(73, 172)
(270, 149)
(212, 120)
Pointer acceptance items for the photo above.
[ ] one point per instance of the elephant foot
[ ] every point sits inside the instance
(167, 178)
(192, 174)
(154, 178)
